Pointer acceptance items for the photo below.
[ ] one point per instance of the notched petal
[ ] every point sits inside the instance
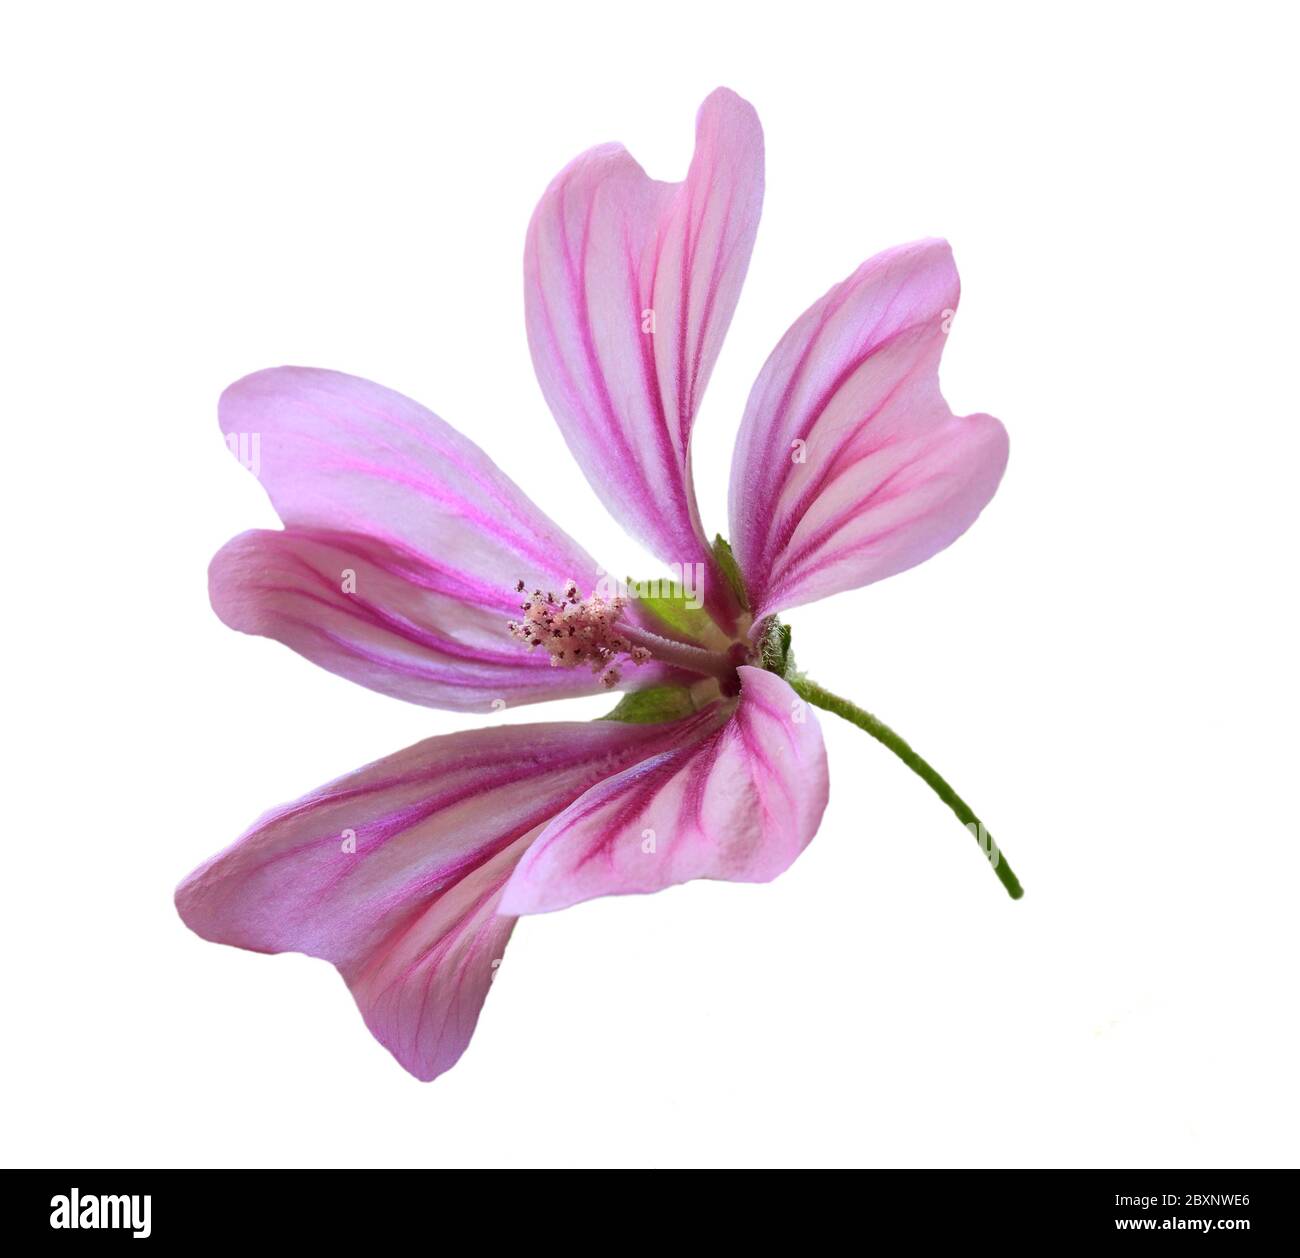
(849, 466)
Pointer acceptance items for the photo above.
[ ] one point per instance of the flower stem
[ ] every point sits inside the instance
(815, 694)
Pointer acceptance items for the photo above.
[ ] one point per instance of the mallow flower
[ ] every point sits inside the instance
(409, 563)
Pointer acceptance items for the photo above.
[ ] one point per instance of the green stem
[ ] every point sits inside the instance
(814, 694)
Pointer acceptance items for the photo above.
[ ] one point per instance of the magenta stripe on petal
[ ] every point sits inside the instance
(416, 629)
(738, 804)
(849, 466)
(340, 453)
(630, 285)
(434, 535)
(395, 872)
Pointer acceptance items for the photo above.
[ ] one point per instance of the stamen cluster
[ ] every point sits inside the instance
(577, 631)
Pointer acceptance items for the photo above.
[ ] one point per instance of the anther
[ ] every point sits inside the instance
(578, 631)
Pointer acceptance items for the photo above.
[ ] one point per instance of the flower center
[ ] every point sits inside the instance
(593, 633)
(578, 632)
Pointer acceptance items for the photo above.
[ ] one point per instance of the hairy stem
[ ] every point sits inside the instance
(878, 730)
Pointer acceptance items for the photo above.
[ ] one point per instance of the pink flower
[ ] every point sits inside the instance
(409, 563)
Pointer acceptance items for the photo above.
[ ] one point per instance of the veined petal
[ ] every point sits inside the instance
(394, 873)
(849, 465)
(740, 803)
(416, 628)
(630, 285)
(435, 534)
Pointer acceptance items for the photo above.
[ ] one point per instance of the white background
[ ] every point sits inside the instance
(1104, 665)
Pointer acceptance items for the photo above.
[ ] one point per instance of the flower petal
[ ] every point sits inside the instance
(630, 285)
(394, 873)
(414, 628)
(739, 803)
(437, 537)
(849, 466)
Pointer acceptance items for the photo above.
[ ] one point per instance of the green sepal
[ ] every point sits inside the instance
(774, 648)
(730, 569)
(654, 704)
(671, 609)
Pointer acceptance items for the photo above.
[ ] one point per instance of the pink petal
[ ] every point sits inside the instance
(414, 628)
(608, 249)
(437, 537)
(740, 803)
(889, 476)
(410, 915)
